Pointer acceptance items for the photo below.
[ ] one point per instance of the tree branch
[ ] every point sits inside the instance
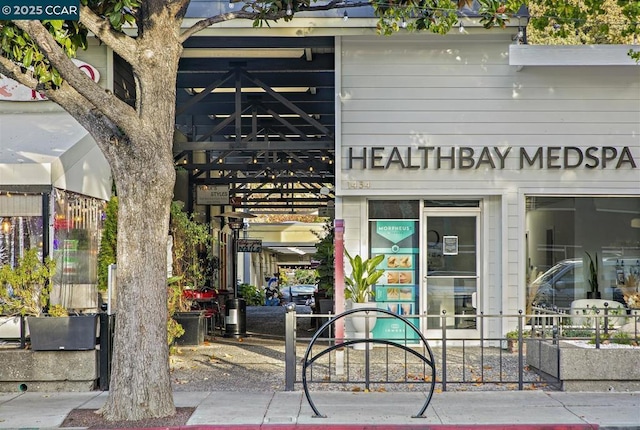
(13, 71)
(122, 44)
(99, 125)
(202, 24)
(118, 111)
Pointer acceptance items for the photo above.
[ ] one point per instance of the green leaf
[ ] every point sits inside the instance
(28, 58)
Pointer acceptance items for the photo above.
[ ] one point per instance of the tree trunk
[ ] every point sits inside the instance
(140, 385)
(143, 169)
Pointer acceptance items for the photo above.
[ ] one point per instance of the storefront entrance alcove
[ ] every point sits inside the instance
(452, 282)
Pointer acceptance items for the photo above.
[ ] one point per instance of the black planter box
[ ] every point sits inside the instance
(194, 325)
(74, 333)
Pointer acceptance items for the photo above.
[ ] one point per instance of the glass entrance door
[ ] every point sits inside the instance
(452, 275)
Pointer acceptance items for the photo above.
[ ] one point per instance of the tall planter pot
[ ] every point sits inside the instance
(72, 333)
(194, 325)
(361, 321)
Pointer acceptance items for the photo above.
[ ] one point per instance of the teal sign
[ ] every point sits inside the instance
(395, 231)
(40, 10)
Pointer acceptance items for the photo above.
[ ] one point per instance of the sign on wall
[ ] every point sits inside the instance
(249, 245)
(212, 195)
(14, 91)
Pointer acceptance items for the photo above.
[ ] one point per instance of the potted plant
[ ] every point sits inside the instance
(593, 277)
(24, 290)
(358, 288)
(191, 260)
(364, 275)
(512, 341)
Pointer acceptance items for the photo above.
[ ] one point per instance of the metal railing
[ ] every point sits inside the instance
(460, 362)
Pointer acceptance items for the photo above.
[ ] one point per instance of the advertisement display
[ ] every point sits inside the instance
(398, 289)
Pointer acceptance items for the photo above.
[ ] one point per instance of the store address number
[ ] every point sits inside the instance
(358, 185)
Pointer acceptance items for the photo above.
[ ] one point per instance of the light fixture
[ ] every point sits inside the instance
(235, 223)
(231, 5)
(461, 27)
(403, 24)
(289, 12)
(6, 225)
(345, 17)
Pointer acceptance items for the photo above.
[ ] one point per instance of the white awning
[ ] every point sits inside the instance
(51, 148)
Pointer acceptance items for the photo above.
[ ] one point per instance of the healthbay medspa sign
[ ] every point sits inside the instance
(465, 157)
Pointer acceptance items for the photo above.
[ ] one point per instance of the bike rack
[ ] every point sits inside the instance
(306, 362)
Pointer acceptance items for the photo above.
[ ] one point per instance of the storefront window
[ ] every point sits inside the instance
(563, 233)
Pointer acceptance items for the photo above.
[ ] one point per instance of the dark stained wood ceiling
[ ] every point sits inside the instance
(262, 110)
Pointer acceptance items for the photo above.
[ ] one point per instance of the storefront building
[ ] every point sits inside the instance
(474, 164)
(53, 184)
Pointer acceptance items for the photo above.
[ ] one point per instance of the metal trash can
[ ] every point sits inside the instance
(235, 318)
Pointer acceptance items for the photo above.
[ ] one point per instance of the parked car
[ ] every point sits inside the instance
(565, 282)
(298, 294)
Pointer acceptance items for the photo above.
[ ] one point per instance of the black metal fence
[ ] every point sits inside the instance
(460, 363)
(105, 342)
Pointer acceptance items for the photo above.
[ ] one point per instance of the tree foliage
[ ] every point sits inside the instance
(326, 259)
(575, 22)
(108, 243)
(24, 289)
(192, 248)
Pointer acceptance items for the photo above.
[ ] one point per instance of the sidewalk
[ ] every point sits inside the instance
(289, 410)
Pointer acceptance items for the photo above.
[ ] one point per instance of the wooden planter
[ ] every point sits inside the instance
(73, 333)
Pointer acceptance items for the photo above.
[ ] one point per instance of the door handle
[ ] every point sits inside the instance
(474, 300)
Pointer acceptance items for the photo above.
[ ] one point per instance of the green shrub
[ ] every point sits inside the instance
(252, 295)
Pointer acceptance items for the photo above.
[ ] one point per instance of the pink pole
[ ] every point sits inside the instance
(338, 291)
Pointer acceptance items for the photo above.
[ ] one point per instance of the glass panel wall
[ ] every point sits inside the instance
(17, 234)
(563, 235)
(77, 226)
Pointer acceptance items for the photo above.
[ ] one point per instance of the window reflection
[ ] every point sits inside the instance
(560, 233)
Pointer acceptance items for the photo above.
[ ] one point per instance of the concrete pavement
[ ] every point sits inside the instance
(357, 410)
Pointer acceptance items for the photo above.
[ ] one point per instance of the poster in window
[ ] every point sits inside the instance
(450, 245)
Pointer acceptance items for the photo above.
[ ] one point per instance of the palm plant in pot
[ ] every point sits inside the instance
(359, 288)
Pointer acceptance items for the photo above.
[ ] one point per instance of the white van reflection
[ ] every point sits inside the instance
(565, 282)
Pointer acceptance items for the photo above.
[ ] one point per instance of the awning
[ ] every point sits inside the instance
(51, 148)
